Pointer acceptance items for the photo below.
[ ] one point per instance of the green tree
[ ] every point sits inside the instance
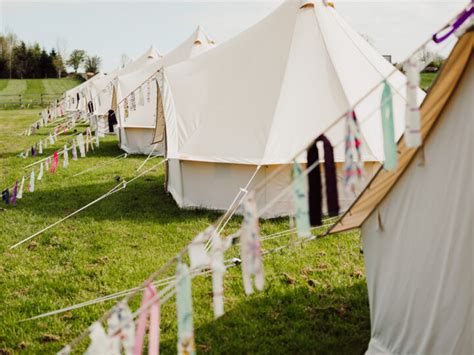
(58, 63)
(34, 56)
(45, 64)
(76, 58)
(92, 64)
(20, 60)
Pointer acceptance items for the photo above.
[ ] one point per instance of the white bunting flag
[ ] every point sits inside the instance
(412, 115)
(97, 136)
(197, 249)
(65, 157)
(141, 97)
(20, 190)
(80, 143)
(122, 329)
(100, 342)
(250, 251)
(218, 248)
(31, 185)
(74, 150)
(41, 172)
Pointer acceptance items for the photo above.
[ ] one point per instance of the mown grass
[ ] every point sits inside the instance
(32, 91)
(314, 301)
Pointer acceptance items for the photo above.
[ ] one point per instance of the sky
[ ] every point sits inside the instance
(111, 28)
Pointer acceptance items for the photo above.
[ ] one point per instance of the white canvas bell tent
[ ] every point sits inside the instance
(84, 91)
(103, 90)
(138, 126)
(262, 96)
(417, 227)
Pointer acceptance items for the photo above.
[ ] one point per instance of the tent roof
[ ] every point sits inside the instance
(195, 44)
(84, 84)
(150, 55)
(261, 96)
(431, 111)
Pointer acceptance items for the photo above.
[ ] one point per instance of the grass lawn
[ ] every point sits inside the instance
(427, 79)
(314, 301)
(32, 89)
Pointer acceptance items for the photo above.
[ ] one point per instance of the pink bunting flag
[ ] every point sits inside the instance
(55, 162)
(153, 313)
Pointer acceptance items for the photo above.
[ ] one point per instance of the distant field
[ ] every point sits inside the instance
(32, 92)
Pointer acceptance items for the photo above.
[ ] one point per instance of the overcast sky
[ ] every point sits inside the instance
(111, 28)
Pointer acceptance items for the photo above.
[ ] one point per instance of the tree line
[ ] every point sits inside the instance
(19, 60)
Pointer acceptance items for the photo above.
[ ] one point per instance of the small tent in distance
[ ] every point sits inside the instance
(139, 89)
(417, 224)
(102, 90)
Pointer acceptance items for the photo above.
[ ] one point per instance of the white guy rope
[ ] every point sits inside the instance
(119, 187)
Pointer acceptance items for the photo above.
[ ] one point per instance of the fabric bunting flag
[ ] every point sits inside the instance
(314, 186)
(51, 139)
(412, 113)
(332, 195)
(40, 149)
(100, 342)
(250, 251)
(80, 143)
(184, 308)
(31, 185)
(389, 144)
(153, 313)
(197, 249)
(89, 140)
(19, 194)
(44, 118)
(218, 249)
(125, 107)
(133, 104)
(6, 196)
(41, 172)
(353, 166)
(74, 150)
(47, 163)
(65, 157)
(14, 194)
(121, 330)
(55, 162)
(148, 92)
(300, 198)
(141, 97)
(33, 151)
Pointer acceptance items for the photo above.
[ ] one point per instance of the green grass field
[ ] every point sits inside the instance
(31, 90)
(314, 301)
